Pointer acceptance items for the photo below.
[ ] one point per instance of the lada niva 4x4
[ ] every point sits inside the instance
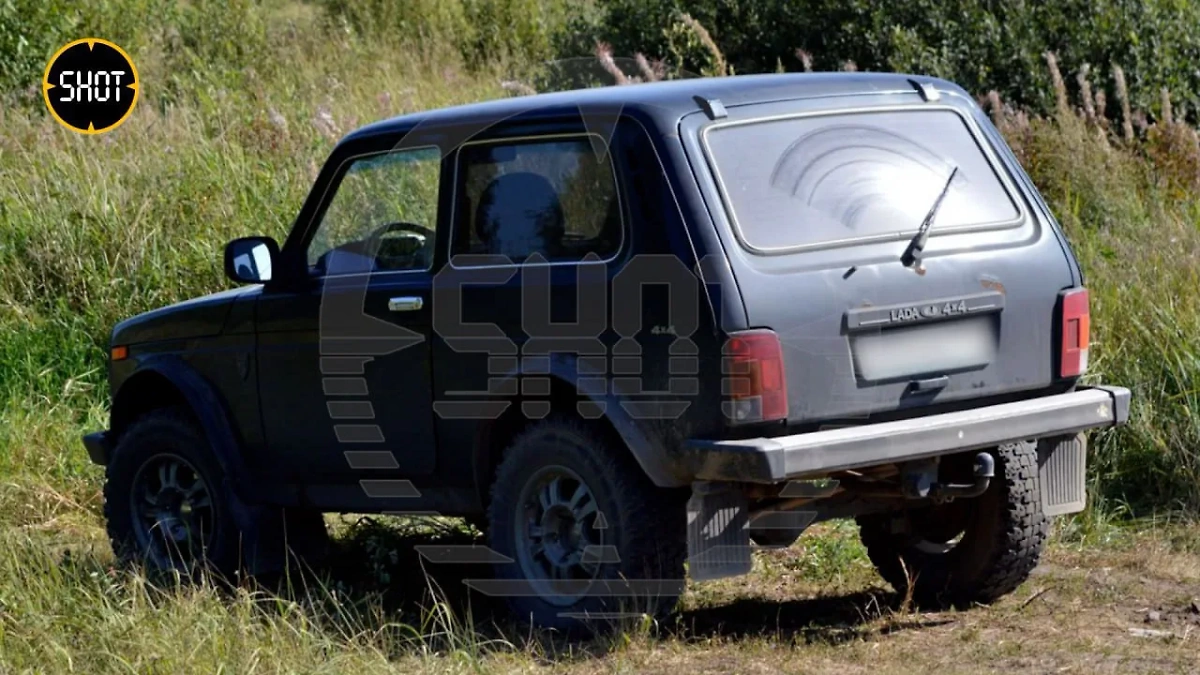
(632, 333)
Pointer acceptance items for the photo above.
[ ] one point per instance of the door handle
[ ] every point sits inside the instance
(407, 303)
(931, 384)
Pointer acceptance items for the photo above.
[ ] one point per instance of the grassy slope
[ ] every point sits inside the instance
(95, 229)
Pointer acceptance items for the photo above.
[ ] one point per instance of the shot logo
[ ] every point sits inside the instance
(90, 86)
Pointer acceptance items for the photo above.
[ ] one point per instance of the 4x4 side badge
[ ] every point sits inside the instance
(90, 86)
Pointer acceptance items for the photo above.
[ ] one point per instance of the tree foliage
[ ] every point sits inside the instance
(980, 44)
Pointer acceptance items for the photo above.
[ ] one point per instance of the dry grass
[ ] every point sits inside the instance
(93, 230)
(719, 65)
(815, 607)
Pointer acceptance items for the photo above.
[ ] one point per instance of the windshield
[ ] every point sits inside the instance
(838, 178)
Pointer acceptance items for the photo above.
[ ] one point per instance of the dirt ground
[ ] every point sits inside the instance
(1127, 605)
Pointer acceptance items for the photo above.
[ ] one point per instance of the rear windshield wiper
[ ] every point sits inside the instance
(912, 254)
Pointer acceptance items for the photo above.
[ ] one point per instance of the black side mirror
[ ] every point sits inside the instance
(251, 260)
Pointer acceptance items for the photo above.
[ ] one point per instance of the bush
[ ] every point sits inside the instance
(30, 32)
(980, 44)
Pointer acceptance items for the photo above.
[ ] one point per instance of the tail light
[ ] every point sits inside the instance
(754, 384)
(1073, 359)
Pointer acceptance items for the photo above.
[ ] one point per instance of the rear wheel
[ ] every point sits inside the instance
(587, 533)
(969, 550)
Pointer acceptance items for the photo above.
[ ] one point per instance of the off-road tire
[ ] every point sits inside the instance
(249, 538)
(646, 524)
(1003, 533)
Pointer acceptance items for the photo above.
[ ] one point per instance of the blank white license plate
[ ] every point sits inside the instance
(928, 349)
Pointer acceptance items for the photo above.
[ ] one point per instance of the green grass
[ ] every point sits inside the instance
(95, 229)
(1131, 213)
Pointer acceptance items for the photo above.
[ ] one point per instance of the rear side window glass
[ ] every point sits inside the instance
(556, 197)
(829, 179)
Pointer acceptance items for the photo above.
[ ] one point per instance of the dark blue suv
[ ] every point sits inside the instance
(630, 328)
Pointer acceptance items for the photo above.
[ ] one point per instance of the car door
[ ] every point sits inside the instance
(344, 370)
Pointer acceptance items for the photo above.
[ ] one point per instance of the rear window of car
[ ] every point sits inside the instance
(822, 180)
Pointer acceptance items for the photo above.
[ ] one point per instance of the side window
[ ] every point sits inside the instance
(382, 217)
(553, 196)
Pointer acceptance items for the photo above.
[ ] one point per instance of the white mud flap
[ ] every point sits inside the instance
(1062, 465)
(718, 536)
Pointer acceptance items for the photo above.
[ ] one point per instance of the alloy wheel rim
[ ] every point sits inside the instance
(174, 515)
(558, 541)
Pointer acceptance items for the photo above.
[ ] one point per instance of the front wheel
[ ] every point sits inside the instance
(585, 532)
(168, 505)
(969, 550)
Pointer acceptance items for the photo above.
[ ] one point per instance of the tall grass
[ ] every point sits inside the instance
(1130, 204)
(238, 111)
(74, 612)
(235, 116)
(95, 229)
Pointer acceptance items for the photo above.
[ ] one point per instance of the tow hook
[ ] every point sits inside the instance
(984, 470)
(919, 480)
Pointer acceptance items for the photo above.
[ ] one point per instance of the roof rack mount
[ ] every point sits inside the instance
(711, 107)
(926, 89)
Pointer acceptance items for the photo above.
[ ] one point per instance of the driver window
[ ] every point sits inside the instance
(382, 217)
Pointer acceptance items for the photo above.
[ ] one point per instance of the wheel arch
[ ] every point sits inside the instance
(166, 381)
(586, 398)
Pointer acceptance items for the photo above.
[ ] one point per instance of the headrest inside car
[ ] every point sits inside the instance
(519, 214)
